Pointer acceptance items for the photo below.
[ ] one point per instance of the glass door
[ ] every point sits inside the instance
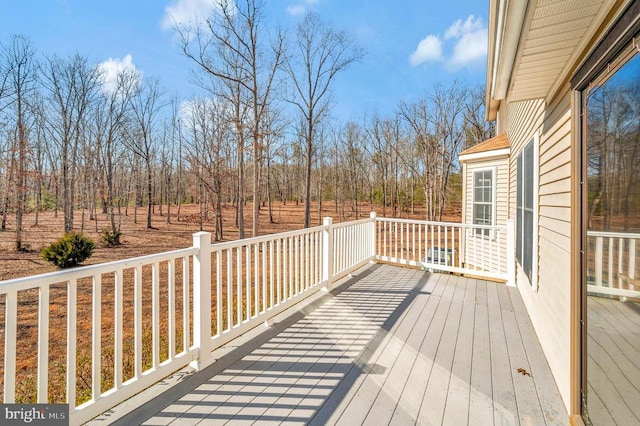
(611, 271)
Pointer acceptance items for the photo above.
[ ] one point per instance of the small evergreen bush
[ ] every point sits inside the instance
(110, 238)
(68, 251)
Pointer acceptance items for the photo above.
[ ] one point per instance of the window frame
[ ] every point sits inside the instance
(521, 209)
(474, 202)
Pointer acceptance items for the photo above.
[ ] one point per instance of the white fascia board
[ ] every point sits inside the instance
(505, 152)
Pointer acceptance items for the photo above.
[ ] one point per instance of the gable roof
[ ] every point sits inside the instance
(496, 143)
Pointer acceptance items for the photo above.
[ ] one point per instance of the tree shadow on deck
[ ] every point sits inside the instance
(300, 369)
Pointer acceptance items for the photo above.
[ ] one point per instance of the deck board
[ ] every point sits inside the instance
(457, 407)
(391, 346)
(613, 367)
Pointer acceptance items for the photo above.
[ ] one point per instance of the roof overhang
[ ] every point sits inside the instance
(534, 46)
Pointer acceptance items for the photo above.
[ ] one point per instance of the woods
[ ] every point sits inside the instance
(73, 137)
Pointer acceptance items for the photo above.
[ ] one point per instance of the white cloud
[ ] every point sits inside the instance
(301, 7)
(188, 12)
(429, 49)
(459, 29)
(471, 47)
(296, 9)
(114, 66)
(469, 39)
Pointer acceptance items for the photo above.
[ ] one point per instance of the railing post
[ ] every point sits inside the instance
(327, 252)
(511, 253)
(202, 299)
(373, 216)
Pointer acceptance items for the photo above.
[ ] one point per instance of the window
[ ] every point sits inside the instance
(525, 226)
(483, 199)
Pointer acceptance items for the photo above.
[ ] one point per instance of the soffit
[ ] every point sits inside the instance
(554, 34)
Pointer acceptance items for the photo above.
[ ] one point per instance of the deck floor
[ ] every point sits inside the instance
(391, 346)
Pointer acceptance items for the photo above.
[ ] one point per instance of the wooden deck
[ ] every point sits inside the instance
(391, 345)
(613, 361)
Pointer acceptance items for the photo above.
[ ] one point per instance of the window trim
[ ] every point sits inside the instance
(533, 280)
(494, 173)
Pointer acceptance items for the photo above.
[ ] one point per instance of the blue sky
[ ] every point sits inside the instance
(410, 45)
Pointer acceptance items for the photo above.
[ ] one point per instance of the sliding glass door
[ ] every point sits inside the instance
(611, 271)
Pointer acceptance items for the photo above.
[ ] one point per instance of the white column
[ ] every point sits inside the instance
(202, 299)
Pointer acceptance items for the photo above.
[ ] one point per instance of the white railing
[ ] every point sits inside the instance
(483, 251)
(125, 280)
(611, 267)
(169, 310)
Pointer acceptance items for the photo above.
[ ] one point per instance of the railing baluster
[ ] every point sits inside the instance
(71, 344)
(446, 245)
(171, 307)
(155, 314)
(271, 274)
(279, 270)
(43, 344)
(219, 293)
(296, 252)
(137, 295)
(256, 278)
(118, 329)
(453, 246)
(96, 344)
(247, 253)
(10, 338)
(632, 258)
(599, 242)
(307, 261)
(239, 285)
(186, 316)
(610, 263)
(229, 289)
(620, 259)
(264, 277)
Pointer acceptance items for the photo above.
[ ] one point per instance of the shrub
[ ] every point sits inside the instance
(110, 238)
(68, 251)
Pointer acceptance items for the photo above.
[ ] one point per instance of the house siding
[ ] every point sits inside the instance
(549, 304)
(501, 167)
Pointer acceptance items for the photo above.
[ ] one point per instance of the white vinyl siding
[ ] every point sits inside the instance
(549, 301)
(499, 166)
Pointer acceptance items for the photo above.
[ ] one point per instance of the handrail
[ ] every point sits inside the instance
(225, 289)
(34, 281)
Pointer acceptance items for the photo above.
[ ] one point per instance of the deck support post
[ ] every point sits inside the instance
(202, 300)
(511, 253)
(327, 252)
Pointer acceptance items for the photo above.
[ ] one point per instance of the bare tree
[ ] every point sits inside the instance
(477, 129)
(111, 116)
(21, 74)
(320, 54)
(437, 124)
(210, 134)
(71, 86)
(232, 49)
(141, 139)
